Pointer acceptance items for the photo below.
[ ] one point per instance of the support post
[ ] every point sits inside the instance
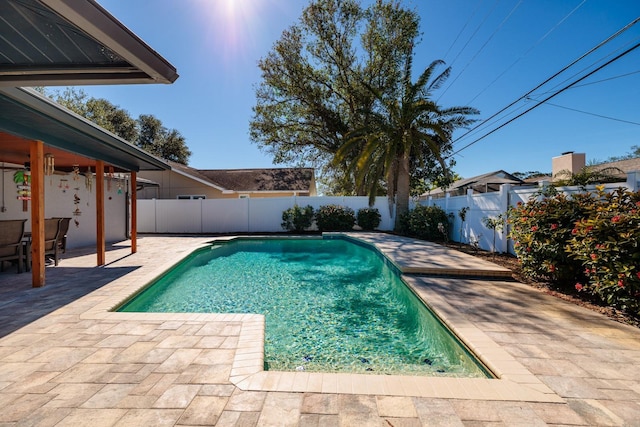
(36, 157)
(100, 238)
(134, 214)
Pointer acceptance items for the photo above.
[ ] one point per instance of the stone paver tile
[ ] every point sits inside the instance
(84, 373)
(557, 413)
(23, 406)
(150, 417)
(397, 407)
(178, 361)
(476, 410)
(317, 420)
(402, 422)
(136, 352)
(572, 387)
(238, 419)
(436, 412)
(211, 374)
(281, 409)
(177, 341)
(211, 342)
(518, 413)
(216, 390)
(177, 396)
(15, 371)
(118, 341)
(203, 410)
(45, 417)
(92, 418)
(211, 356)
(109, 396)
(72, 395)
(136, 402)
(316, 403)
(246, 401)
(628, 411)
(36, 382)
(594, 413)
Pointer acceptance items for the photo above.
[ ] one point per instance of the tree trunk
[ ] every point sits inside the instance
(402, 191)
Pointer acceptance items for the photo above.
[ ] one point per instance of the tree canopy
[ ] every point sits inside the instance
(337, 93)
(146, 132)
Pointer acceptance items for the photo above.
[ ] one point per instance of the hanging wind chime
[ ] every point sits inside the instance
(49, 166)
(109, 178)
(88, 179)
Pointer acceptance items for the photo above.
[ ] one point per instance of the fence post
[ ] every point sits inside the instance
(632, 181)
(505, 189)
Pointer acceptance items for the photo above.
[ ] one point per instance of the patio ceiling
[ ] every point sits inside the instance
(73, 42)
(26, 115)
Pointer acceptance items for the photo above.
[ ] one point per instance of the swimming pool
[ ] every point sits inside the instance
(330, 306)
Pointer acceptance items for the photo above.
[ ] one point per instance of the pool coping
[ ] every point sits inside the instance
(513, 381)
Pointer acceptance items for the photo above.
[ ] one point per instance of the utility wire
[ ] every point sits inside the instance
(474, 33)
(619, 76)
(527, 52)
(588, 113)
(483, 46)
(566, 67)
(462, 30)
(548, 98)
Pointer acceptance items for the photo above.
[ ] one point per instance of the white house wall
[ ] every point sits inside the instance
(59, 202)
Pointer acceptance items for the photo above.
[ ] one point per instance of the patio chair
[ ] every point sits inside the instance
(51, 236)
(62, 237)
(11, 245)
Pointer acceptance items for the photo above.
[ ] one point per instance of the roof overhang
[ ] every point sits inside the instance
(27, 114)
(73, 42)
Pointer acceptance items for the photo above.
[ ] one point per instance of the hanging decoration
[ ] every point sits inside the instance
(64, 185)
(23, 180)
(109, 178)
(76, 202)
(49, 164)
(88, 179)
(76, 172)
(119, 185)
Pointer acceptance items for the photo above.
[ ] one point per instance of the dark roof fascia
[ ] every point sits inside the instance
(104, 143)
(91, 18)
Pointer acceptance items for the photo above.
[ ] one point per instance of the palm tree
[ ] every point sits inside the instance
(406, 127)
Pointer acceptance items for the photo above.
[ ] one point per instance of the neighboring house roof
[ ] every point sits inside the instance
(72, 42)
(481, 183)
(626, 166)
(252, 180)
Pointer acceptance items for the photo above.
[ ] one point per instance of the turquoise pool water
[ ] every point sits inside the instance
(330, 305)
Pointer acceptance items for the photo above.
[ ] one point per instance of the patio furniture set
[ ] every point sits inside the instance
(15, 241)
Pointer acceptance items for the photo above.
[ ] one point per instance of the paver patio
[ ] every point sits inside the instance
(66, 360)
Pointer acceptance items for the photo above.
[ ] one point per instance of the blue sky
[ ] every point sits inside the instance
(499, 51)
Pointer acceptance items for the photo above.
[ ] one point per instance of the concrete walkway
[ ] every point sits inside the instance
(66, 360)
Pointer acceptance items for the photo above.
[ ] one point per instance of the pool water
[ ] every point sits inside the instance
(330, 306)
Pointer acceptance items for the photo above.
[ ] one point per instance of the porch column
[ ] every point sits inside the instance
(134, 214)
(100, 239)
(36, 157)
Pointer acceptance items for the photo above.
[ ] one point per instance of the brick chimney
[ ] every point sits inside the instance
(568, 161)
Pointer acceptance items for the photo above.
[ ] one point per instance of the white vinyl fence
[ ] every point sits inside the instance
(494, 204)
(251, 215)
(264, 215)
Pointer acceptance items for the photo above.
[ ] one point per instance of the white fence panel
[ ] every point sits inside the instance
(178, 216)
(146, 216)
(225, 215)
(265, 215)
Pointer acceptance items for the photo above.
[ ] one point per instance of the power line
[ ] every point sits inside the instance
(590, 114)
(547, 98)
(566, 67)
(462, 30)
(528, 51)
(619, 76)
(483, 46)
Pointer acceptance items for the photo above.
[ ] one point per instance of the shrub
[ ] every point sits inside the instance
(541, 228)
(607, 244)
(297, 219)
(335, 218)
(368, 218)
(588, 242)
(422, 222)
